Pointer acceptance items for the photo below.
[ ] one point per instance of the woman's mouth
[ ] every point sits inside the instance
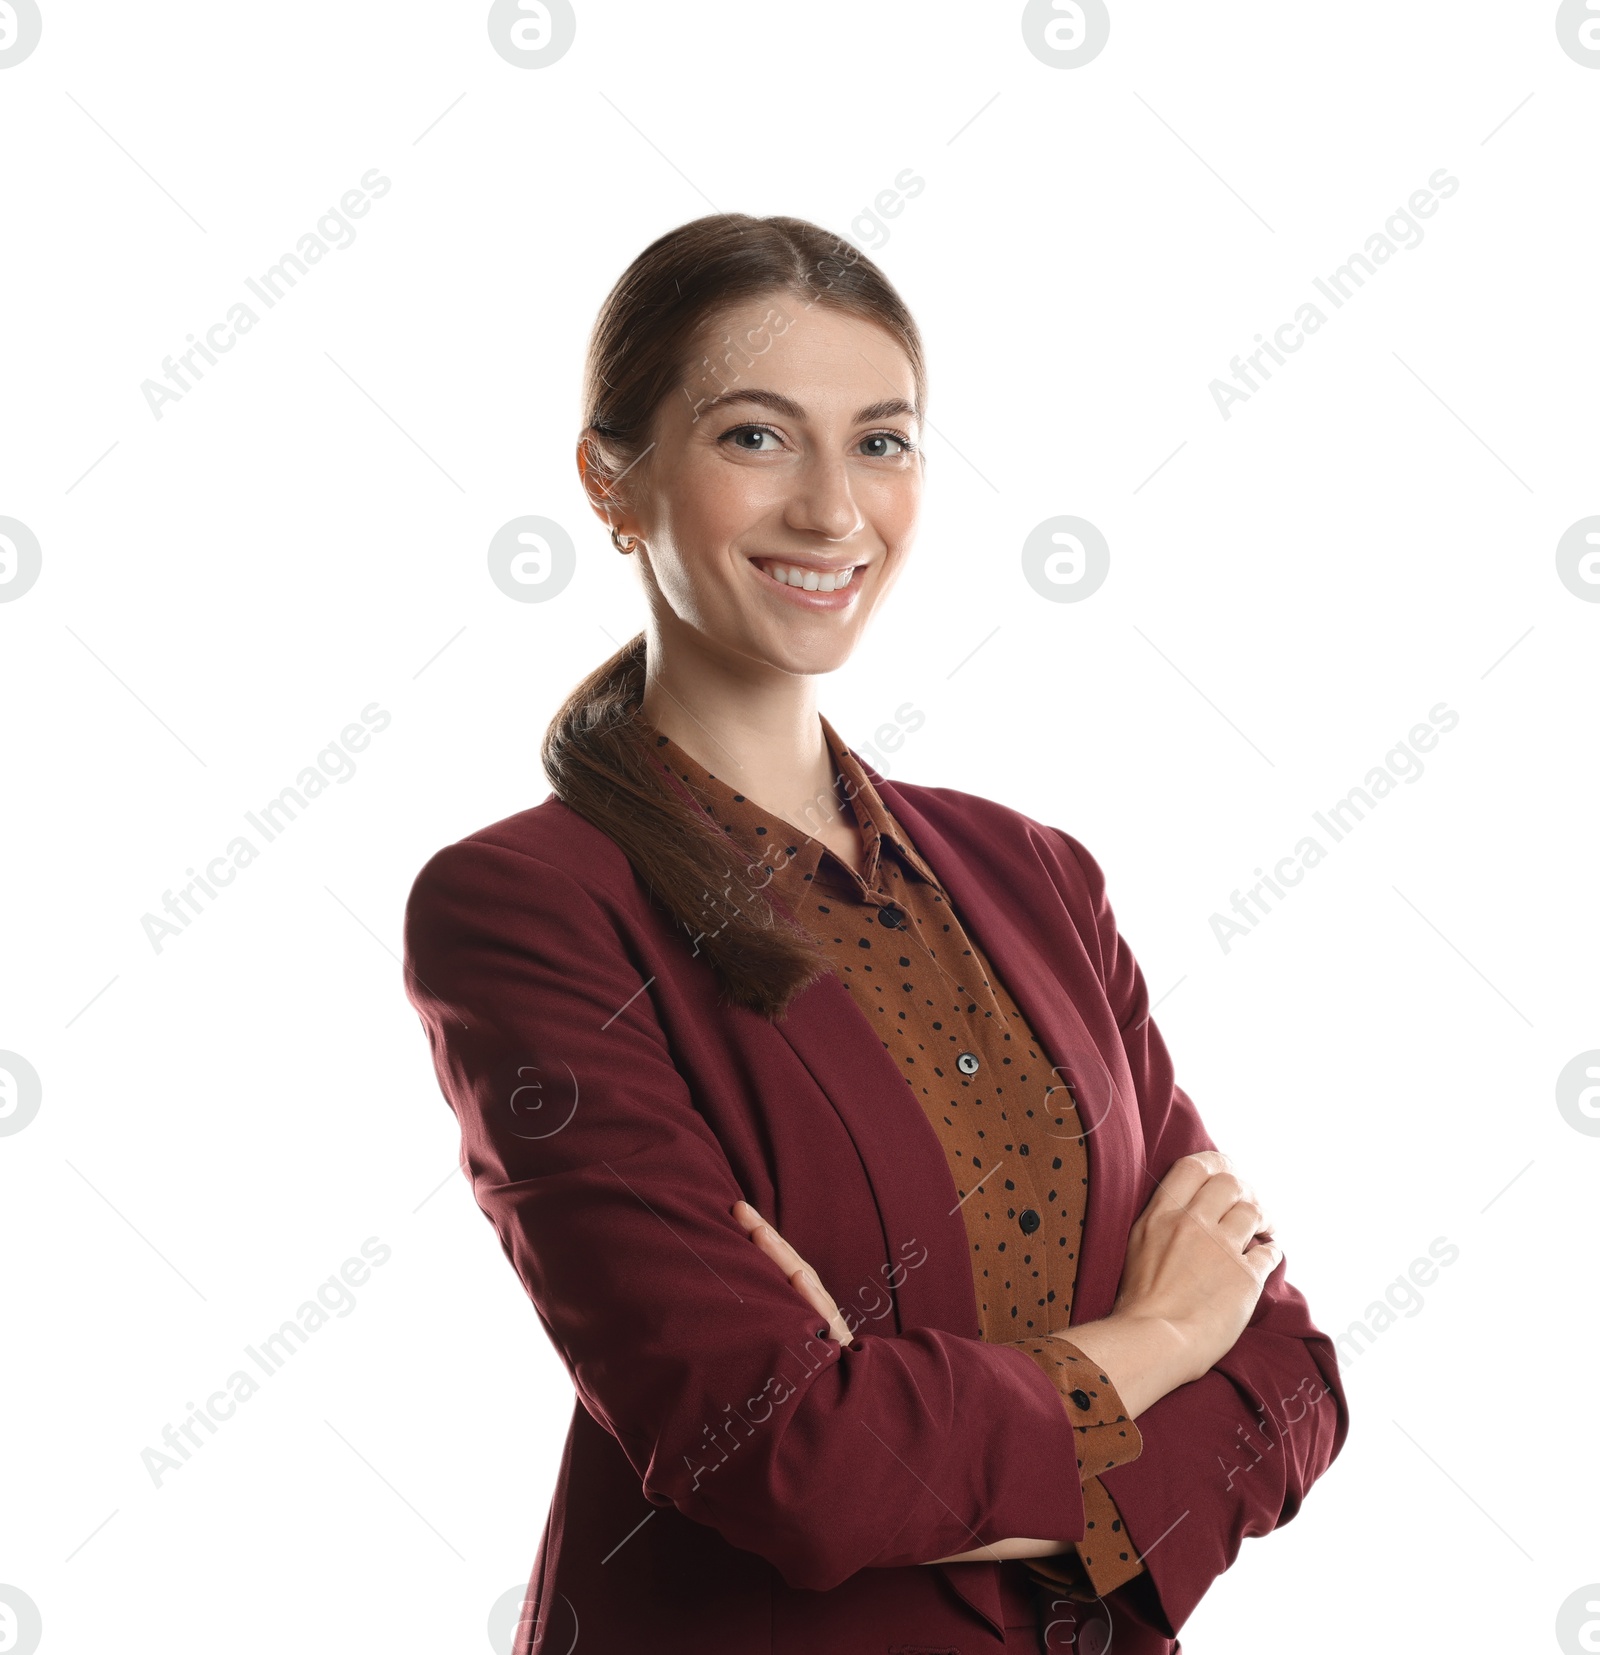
(807, 580)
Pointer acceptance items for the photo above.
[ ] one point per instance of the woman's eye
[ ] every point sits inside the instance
(877, 446)
(751, 438)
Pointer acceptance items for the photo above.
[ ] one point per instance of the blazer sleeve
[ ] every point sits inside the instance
(1233, 1453)
(611, 1198)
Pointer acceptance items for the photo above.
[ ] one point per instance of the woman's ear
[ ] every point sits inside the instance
(598, 476)
(601, 469)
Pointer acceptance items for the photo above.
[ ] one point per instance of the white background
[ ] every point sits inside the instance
(304, 533)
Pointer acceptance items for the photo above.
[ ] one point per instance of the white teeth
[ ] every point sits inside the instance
(808, 579)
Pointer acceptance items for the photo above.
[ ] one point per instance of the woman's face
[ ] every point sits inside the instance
(791, 447)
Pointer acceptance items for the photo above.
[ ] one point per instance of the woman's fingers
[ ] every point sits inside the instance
(767, 1238)
(1262, 1259)
(747, 1215)
(1227, 1201)
(800, 1276)
(1241, 1223)
(1218, 1195)
(820, 1299)
(1205, 1189)
(1188, 1174)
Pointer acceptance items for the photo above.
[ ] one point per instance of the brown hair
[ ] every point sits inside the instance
(594, 751)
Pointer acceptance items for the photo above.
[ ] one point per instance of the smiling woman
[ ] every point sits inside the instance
(908, 1303)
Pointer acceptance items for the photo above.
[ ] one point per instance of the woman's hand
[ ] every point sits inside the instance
(1198, 1257)
(801, 1277)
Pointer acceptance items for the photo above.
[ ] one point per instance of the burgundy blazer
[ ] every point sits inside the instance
(732, 1483)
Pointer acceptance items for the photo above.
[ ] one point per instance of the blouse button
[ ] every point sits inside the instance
(892, 916)
(1080, 1399)
(1028, 1221)
(967, 1063)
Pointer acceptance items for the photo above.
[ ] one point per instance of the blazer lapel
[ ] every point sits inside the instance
(903, 1159)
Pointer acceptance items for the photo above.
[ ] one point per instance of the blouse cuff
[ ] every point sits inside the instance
(1105, 1432)
(1103, 1560)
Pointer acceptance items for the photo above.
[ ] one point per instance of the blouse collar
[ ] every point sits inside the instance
(778, 847)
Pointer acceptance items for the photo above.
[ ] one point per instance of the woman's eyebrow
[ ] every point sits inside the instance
(781, 404)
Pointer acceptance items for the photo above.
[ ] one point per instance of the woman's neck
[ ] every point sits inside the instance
(765, 742)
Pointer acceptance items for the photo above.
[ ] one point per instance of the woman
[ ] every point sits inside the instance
(811, 1108)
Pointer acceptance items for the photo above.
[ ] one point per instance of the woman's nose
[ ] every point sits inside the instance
(822, 502)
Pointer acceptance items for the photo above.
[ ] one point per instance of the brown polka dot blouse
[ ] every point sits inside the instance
(1009, 1129)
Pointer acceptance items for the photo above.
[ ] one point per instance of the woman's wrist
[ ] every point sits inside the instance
(1143, 1356)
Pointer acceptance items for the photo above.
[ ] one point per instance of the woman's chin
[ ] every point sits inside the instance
(805, 650)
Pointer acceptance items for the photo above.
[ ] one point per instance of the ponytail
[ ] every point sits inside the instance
(601, 763)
